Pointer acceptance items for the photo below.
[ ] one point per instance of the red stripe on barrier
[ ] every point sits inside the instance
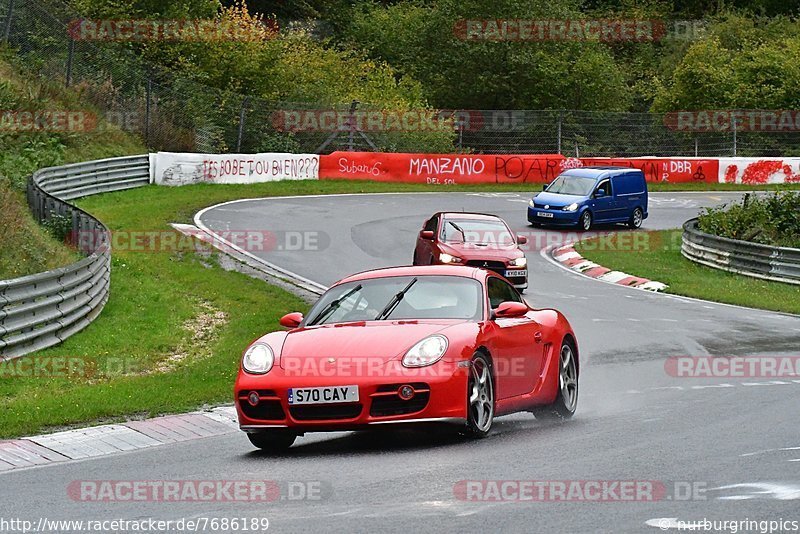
(444, 169)
(594, 272)
(441, 169)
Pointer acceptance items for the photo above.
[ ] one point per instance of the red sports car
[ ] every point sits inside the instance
(473, 239)
(408, 345)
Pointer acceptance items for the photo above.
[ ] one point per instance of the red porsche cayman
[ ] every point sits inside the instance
(409, 345)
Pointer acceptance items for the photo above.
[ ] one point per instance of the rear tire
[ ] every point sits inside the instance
(585, 222)
(480, 397)
(636, 218)
(272, 440)
(567, 397)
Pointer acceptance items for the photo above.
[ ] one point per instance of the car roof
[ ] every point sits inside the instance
(599, 171)
(469, 215)
(419, 270)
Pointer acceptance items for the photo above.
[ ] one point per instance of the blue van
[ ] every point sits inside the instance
(588, 195)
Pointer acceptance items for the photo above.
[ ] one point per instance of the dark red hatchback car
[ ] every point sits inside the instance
(476, 240)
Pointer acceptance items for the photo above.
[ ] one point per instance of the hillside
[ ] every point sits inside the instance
(25, 246)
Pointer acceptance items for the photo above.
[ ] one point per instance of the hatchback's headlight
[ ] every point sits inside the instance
(571, 207)
(519, 262)
(531, 204)
(448, 258)
(258, 359)
(428, 351)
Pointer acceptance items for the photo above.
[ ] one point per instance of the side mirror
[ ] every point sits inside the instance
(600, 193)
(292, 320)
(426, 234)
(544, 187)
(521, 239)
(511, 309)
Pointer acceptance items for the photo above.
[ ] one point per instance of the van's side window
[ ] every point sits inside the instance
(606, 185)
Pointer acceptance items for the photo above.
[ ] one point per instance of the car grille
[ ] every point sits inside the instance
(325, 412)
(497, 266)
(265, 410)
(394, 405)
(386, 401)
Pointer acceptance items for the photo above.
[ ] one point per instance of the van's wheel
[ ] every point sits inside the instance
(480, 397)
(636, 218)
(567, 397)
(272, 440)
(586, 221)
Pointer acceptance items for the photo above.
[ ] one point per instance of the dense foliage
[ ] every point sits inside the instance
(772, 219)
(407, 53)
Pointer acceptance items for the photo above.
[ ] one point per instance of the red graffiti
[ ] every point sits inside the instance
(730, 174)
(790, 176)
(760, 171)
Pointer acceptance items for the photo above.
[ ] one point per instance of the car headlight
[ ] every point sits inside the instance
(571, 207)
(426, 352)
(448, 258)
(258, 359)
(531, 204)
(519, 262)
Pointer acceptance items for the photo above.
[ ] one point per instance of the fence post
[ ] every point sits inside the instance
(7, 29)
(70, 56)
(148, 90)
(560, 119)
(351, 122)
(733, 123)
(695, 147)
(241, 124)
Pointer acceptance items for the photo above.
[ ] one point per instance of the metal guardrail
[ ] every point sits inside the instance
(781, 264)
(43, 309)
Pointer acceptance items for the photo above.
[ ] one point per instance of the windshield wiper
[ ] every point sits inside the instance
(457, 227)
(387, 311)
(332, 306)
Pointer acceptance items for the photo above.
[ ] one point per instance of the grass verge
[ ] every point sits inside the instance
(663, 262)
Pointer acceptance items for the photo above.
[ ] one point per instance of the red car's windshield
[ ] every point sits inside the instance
(484, 231)
(430, 297)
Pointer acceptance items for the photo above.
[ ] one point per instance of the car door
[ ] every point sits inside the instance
(603, 206)
(516, 353)
(424, 249)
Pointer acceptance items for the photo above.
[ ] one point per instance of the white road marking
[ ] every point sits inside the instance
(761, 490)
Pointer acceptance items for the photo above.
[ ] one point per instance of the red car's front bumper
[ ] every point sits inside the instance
(440, 395)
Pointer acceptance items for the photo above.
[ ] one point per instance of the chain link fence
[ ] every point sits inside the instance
(176, 113)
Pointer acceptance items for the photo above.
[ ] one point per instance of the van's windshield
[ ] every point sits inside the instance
(567, 184)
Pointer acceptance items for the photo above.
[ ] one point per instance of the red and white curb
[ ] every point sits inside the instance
(111, 439)
(569, 258)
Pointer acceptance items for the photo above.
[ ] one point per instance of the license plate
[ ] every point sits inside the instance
(323, 395)
(518, 272)
(544, 214)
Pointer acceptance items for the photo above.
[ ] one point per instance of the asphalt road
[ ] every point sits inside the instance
(735, 440)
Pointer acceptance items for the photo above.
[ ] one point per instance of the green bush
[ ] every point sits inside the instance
(772, 219)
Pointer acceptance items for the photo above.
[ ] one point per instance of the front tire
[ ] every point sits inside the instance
(272, 441)
(480, 397)
(636, 218)
(585, 222)
(567, 397)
